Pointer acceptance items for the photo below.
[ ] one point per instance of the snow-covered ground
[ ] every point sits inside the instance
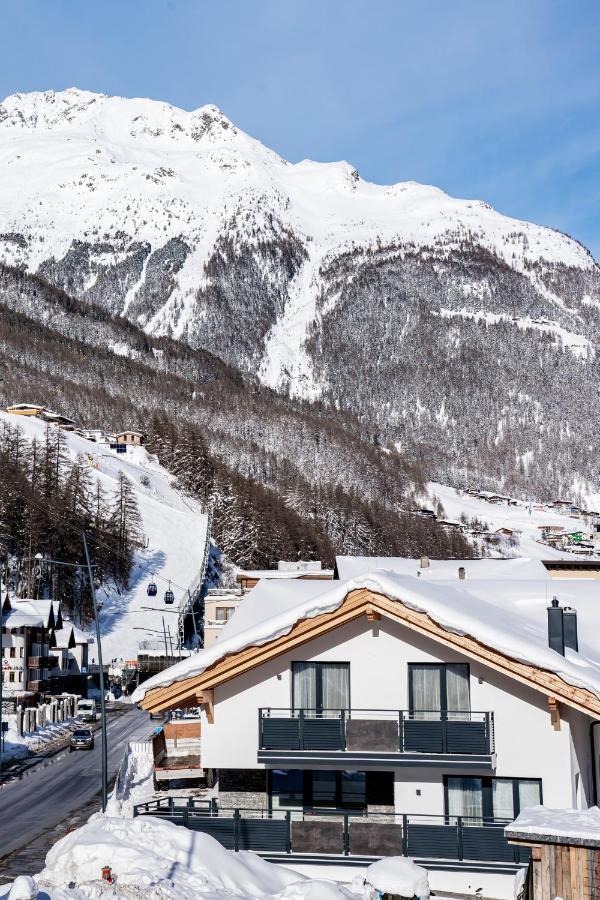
(525, 517)
(175, 530)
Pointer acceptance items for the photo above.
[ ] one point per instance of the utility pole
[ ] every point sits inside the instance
(102, 700)
(1, 676)
(165, 637)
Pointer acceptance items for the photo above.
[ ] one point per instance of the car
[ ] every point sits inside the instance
(81, 739)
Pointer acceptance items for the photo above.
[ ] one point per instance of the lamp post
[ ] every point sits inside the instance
(101, 668)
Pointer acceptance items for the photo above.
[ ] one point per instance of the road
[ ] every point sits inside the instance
(56, 787)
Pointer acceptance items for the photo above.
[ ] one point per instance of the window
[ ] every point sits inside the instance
(326, 789)
(13, 652)
(491, 798)
(321, 687)
(11, 676)
(287, 788)
(439, 688)
(224, 613)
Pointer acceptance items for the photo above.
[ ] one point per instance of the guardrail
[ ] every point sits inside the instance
(376, 731)
(186, 606)
(344, 833)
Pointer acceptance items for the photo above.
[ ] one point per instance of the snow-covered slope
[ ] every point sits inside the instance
(175, 530)
(315, 280)
(129, 201)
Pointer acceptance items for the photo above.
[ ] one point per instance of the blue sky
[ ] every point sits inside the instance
(494, 99)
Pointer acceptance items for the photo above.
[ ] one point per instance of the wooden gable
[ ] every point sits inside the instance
(198, 689)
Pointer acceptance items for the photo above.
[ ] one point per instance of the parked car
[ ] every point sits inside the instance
(82, 739)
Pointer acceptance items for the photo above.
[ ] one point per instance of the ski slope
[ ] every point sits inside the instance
(520, 517)
(174, 528)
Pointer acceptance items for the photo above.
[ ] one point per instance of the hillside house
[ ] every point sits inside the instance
(57, 419)
(25, 409)
(405, 709)
(130, 438)
(307, 570)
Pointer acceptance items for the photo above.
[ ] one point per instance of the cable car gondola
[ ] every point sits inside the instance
(169, 595)
(152, 590)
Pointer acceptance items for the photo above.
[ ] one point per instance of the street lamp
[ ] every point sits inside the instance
(101, 678)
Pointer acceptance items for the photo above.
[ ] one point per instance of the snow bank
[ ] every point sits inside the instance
(576, 826)
(135, 780)
(153, 858)
(397, 875)
(506, 614)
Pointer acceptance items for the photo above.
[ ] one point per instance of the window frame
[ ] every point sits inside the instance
(319, 681)
(487, 794)
(308, 792)
(443, 683)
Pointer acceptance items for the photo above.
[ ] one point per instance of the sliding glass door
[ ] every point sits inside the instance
(321, 688)
(490, 799)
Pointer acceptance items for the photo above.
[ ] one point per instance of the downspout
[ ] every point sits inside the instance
(594, 773)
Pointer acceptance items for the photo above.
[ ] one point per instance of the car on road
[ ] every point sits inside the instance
(81, 739)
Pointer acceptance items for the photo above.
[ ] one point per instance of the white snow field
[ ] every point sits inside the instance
(175, 529)
(85, 166)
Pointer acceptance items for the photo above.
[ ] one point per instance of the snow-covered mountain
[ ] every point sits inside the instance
(304, 274)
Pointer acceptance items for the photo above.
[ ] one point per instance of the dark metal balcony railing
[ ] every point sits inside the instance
(343, 833)
(376, 731)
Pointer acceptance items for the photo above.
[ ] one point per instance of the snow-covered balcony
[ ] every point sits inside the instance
(391, 737)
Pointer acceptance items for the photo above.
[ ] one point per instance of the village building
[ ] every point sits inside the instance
(131, 438)
(25, 409)
(57, 419)
(411, 707)
(307, 570)
(219, 606)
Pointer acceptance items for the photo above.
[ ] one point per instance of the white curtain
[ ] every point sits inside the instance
(465, 798)
(304, 687)
(457, 691)
(504, 807)
(335, 688)
(426, 692)
(529, 793)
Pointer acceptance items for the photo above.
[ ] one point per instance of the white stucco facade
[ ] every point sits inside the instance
(526, 743)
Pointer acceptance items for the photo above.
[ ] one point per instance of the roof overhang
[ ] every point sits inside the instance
(363, 602)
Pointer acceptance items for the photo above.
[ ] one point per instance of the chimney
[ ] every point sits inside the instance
(424, 562)
(570, 628)
(461, 573)
(556, 633)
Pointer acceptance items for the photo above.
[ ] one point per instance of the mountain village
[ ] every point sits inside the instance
(327, 718)
(299, 481)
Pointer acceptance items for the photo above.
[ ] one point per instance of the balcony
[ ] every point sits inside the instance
(41, 662)
(37, 686)
(352, 837)
(295, 738)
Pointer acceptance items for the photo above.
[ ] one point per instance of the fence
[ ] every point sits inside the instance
(343, 833)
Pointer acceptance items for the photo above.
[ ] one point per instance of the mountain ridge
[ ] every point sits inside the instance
(322, 285)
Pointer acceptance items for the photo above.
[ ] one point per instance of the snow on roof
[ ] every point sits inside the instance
(443, 569)
(539, 824)
(507, 614)
(17, 618)
(63, 637)
(41, 608)
(286, 574)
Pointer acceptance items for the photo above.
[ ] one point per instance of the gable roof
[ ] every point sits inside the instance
(502, 623)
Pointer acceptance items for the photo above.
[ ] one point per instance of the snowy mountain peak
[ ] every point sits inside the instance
(190, 227)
